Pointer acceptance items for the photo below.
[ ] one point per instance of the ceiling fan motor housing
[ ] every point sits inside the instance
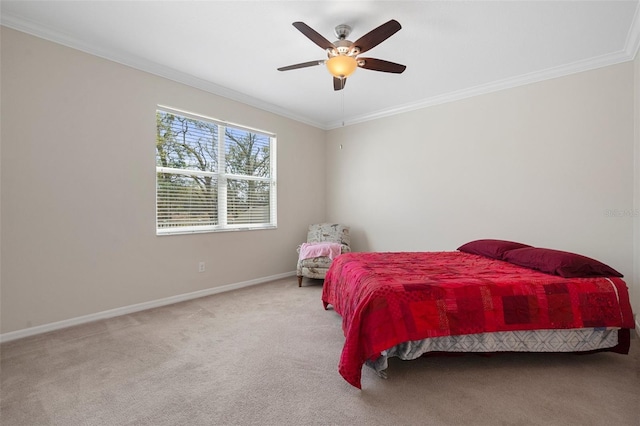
(343, 47)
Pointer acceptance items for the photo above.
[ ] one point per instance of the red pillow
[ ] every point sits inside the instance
(556, 262)
(494, 249)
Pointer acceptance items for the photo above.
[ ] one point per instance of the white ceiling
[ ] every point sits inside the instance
(452, 49)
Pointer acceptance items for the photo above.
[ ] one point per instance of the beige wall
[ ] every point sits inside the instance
(78, 189)
(540, 164)
(636, 257)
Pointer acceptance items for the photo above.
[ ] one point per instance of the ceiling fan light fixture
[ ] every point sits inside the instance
(342, 66)
(343, 54)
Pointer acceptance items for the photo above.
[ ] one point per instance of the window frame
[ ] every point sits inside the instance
(222, 178)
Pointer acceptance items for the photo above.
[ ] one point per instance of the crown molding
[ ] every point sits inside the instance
(632, 45)
(150, 67)
(509, 83)
(633, 37)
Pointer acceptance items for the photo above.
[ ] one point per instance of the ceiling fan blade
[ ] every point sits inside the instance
(377, 35)
(313, 35)
(381, 65)
(338, 83)
(302, 65)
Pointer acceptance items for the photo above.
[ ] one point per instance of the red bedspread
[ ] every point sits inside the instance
(389, 298)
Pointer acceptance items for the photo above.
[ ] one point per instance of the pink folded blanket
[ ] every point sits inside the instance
(311, 250)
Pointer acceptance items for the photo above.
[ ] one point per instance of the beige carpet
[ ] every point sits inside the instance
(267, 355)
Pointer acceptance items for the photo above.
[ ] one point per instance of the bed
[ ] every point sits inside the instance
(489, 296)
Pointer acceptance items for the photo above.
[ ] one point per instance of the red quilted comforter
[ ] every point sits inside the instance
(389, 298)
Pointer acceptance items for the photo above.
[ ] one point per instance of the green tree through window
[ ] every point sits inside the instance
(207, 183)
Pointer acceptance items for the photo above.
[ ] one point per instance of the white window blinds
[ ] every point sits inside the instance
(212, 176)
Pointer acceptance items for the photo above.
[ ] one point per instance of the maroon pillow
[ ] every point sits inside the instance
(563, 263)
(494, 249)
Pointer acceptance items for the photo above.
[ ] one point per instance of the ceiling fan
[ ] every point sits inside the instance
(343, 54)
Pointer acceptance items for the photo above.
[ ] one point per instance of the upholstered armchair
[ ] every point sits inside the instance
(318, 265)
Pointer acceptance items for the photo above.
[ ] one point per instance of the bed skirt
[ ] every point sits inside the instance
(583, 340)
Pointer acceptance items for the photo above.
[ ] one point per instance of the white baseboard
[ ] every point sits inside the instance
(32, 331)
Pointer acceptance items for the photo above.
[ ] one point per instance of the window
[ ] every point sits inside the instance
(212, 176)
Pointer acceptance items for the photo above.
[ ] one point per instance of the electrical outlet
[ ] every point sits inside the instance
(201, 267)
